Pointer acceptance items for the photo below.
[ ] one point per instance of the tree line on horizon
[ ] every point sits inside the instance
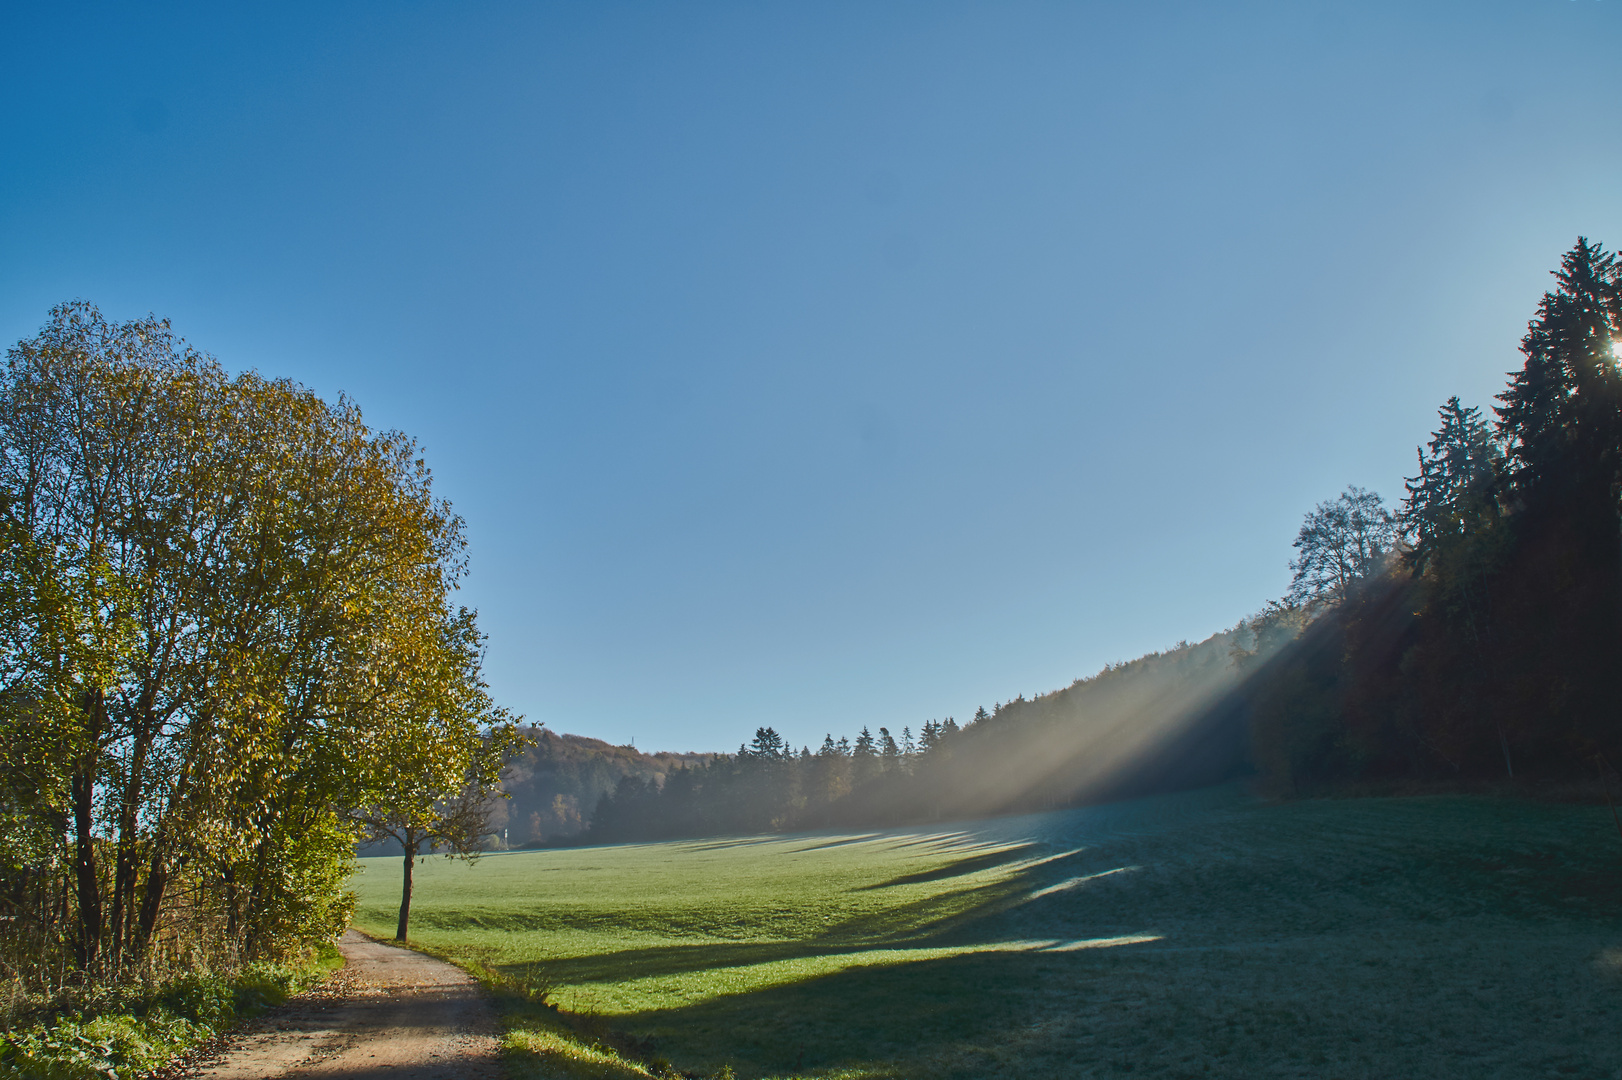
(1164, 721)
(1473, 633)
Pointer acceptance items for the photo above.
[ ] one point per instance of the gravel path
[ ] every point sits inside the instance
(389, 1012)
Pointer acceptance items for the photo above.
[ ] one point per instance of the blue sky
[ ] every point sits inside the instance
(830, 364)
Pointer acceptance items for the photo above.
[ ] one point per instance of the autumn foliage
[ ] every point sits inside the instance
(228, 635)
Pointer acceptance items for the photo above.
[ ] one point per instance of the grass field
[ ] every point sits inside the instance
(1203, 934)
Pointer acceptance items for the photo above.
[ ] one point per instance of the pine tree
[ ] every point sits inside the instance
(864, 758)
(1561, 420)
(1452, 513)
(1454, 488)
(767, 745)
(1560, 414)
(888, 750)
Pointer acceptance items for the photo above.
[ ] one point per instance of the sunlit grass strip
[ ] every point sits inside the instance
(1071, 883)
(533, 1053)
(631, 995)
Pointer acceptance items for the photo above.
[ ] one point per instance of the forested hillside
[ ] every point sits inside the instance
(554, 784)
(1163, 722)
(1486, 642)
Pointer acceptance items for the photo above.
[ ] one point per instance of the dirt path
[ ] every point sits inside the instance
(389, 1012)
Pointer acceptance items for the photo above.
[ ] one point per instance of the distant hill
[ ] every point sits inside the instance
(555, 784)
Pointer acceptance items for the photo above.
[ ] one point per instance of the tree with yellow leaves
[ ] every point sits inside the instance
(229, 637)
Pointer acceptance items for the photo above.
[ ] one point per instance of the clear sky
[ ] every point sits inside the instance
(825, 364)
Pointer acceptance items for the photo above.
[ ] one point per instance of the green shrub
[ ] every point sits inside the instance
(144, 1032)
(105, 1048)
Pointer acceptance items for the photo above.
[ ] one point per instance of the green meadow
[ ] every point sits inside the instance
(1193, 935)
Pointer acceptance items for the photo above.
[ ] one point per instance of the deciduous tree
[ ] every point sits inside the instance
(1341, 542)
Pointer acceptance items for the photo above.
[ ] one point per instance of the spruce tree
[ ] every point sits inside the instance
(1454, 488)
(1561, 420)
(1560, 414)
(864, 758)
(767, 745)
(888, 750)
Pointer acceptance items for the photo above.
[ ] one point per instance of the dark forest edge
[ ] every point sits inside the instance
(1485, 641)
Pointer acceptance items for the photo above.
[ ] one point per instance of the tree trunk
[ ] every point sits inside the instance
(87, 884)
(232, 913)
(257, 888)
(410, 844)
(127, 856)
(162, 864)
(87, 888)
(157, 880)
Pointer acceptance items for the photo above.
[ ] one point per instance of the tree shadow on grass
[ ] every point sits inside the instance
(970, 865)
(943, 920)
(904, 1017)
(961, 916)
(1314, 1006)
(1266, 959)
(843, 840)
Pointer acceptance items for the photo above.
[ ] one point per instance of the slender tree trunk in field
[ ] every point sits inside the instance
(410, 844)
